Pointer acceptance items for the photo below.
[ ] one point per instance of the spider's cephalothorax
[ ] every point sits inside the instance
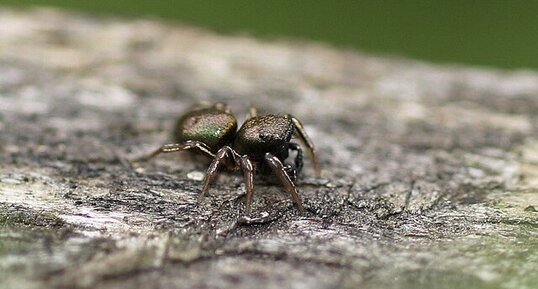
(261, 144)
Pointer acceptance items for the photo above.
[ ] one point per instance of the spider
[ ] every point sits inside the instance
(261, 145)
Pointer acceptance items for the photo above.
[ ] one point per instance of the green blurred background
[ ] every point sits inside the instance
(483, 33)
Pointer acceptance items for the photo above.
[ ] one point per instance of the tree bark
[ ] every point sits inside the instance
(429, 172)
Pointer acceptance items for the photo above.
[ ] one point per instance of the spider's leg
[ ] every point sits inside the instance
(177, 147)
(298, 158)
(222, 157)
(205, 104)
(300, 132)
(248, 171)
(222, 106)
(253, 112)
(276, 165)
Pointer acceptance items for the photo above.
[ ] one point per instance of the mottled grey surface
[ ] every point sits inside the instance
(429, 172)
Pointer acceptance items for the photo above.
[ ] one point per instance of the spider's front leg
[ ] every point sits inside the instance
(278, 169)
(300, 132)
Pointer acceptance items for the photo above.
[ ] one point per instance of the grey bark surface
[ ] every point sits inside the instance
(429, 172)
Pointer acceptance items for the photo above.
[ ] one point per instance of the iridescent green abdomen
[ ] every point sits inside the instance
(211, 125)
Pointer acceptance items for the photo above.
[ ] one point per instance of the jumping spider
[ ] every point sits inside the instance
(261, 145)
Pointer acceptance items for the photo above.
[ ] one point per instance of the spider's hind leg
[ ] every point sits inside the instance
(176, 147)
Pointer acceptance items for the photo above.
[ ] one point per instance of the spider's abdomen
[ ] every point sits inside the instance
(262, 134)
(213, 126)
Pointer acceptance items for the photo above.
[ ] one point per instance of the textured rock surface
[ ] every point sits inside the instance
(429, 172)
